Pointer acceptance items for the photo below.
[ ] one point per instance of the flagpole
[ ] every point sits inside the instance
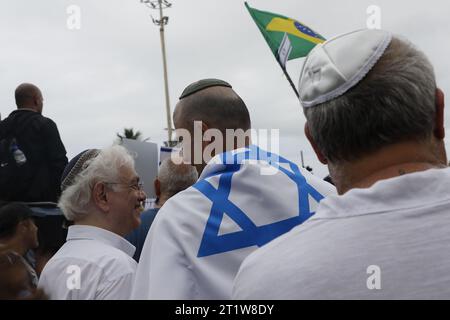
(276, 58)
(288, 78)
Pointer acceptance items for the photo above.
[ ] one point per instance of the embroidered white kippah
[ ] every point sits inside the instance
(335, 66)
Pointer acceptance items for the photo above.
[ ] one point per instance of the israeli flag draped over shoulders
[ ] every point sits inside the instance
(243, 199)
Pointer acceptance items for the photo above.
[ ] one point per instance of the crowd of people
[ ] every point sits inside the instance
(223, 228)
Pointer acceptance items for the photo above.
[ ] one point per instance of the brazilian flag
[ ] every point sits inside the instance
(275, 28)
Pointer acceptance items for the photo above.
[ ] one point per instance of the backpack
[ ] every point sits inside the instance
(15, 177)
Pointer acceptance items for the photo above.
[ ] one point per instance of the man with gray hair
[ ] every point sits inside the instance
(172, 178)
(376, 117)
(102, 195)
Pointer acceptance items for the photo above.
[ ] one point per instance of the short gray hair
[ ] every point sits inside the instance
(174, 178)
(74, 201)
(395, 102)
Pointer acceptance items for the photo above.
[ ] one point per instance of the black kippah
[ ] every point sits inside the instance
(203, 84)
(76, 166)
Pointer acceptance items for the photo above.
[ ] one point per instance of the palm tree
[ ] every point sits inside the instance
(128, 133)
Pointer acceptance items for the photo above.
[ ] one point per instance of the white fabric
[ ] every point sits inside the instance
(183, 258)
(400, 225)
(335, 66)
(104, 259)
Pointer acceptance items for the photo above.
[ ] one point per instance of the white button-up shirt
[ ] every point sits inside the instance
(94, 263)
(389, 241)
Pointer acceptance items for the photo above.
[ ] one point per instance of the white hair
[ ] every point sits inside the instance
(174, 178)
(74, 201)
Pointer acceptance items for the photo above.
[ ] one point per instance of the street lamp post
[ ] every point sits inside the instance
(163, 20)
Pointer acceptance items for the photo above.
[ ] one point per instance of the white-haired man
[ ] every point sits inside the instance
(102, 195)
(376, 117)
(172, 178)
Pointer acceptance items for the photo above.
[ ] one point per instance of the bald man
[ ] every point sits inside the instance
(200, 236)
(213, 107)
(36, 175)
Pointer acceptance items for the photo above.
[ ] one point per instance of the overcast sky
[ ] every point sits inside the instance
(108, 74)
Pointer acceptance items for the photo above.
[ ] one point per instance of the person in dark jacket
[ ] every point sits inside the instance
(39, 140)
(19, 233)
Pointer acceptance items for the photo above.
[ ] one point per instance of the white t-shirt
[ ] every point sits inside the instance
(94, 264)
(390, 241)
(200, 236)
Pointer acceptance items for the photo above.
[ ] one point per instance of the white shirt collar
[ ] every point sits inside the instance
(407, 191)
(26, 109)
(84, 232)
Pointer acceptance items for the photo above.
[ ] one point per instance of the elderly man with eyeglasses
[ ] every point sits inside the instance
(103, 197)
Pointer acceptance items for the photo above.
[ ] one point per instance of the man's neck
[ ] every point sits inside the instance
(237, 145)
(92, 220)
(27, 109)
(15, 245)
(244, 142)
(160, 202)
(391, 161)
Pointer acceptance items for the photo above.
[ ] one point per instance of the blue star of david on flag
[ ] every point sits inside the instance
(250, 235)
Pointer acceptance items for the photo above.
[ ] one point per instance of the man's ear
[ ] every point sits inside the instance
(318, 153)
(157, 185)
(23, 227)
(439, 130)
(100, 196)
(36, 100)
(205, 128)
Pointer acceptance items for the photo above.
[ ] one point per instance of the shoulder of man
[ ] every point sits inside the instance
(45, 121)
(102, 259)
(182, 206)
(187, 210)
(17, 120)
(45, 126)
(28, 117)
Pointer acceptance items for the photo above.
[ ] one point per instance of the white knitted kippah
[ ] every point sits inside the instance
(335, 66)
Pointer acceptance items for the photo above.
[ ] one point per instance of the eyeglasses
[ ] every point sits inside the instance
(138, 186)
